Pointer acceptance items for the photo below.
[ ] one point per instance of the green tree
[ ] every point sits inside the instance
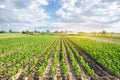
(3, 31)
(10, 31)
(104, 32)
(48, 31)
(56, 31)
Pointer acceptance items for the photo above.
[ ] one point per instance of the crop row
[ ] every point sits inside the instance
(88, 69)
(33, 65)
(104, 52)
(44, 63)
(72, 60)
(55, 59)
(9, 44)
(62, 62)
(18, 59)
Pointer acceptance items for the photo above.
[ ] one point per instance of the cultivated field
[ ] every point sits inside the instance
(59, 58)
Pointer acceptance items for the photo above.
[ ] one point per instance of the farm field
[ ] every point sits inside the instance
(12, 35)
(59, 58)
(105, 39)
(59, 39)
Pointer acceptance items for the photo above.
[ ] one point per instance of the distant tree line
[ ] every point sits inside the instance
(10, 31)
(103, 33)
(95, 33)
(48, 32)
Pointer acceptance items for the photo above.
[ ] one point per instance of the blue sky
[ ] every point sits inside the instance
(72, 15)
(51, 9)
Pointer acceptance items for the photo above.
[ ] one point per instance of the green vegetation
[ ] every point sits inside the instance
(104, 52)
(81, 60)
(14, 61)
(72, 59)
(45, 61)
(62, 62)
(33, 53)
(55, 59)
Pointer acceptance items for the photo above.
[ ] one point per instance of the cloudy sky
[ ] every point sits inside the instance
(73, 15)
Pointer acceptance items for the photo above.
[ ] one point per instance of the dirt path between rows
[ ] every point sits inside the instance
(70, 70)
(32, 74)
(83, 75)
(58, 75)
(20, 74)
(58, 72)
(45, 75)
(9, 52)
(46, 71)
(100, 70)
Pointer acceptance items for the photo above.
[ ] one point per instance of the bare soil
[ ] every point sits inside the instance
(69, 66)
(101, 73)
(100, 70)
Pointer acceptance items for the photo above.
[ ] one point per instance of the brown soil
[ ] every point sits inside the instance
(47, 76)
(17, 75)
(46, 71)
(20, 73)
(32, 73)
(83, 75)
(99, 69)
(101, 73)
(70, 70)
(9, 52)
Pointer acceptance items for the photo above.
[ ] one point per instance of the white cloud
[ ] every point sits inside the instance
(22, 11)
(89, 15)
(2, 6)
(76, 27)
(74, 15)
(91, 9)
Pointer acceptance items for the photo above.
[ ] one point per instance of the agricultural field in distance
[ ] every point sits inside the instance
(11, 35)
(59, 57)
